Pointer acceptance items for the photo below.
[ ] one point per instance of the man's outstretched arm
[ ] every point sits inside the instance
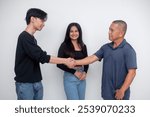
(66, 61)
(87, 60)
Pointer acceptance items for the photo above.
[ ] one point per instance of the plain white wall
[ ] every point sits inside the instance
(94, 16)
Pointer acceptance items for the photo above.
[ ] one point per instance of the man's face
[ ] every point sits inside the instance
(38, 23)
(115, 32)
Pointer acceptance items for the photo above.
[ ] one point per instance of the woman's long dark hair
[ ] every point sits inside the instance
(70, 48)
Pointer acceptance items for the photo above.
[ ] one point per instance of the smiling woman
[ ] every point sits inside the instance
(74, 78)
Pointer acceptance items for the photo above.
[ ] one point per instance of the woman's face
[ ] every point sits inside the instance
(74, 33)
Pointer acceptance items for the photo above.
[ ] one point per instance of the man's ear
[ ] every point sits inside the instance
(121, 33)
(32, 19)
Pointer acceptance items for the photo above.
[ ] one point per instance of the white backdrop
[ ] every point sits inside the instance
(94, 16)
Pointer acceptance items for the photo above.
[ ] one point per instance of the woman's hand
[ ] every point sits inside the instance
(78, 74)
(83, 76)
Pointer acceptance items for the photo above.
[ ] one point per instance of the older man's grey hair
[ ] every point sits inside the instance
(121, 23)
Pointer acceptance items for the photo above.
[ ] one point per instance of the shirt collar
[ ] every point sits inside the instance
(120, 46)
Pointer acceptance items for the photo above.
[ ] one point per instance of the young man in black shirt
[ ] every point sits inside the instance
(29, 55)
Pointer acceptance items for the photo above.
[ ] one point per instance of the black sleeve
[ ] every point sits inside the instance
(86, 67)
(34, 51)
(61, 53)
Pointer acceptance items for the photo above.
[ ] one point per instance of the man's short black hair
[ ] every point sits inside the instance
(35, 12)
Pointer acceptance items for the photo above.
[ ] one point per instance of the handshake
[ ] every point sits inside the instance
(70, 62)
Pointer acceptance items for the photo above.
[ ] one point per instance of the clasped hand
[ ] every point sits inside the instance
(70, 62)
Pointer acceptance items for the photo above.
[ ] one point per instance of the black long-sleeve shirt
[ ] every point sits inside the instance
(28, 57)
(78, 55)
